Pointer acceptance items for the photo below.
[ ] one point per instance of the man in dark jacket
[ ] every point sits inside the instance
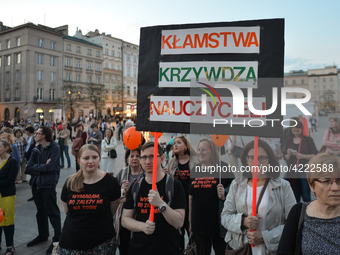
(44, 168)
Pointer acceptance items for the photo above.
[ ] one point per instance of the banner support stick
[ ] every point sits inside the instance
(154, 173)
(256, 147)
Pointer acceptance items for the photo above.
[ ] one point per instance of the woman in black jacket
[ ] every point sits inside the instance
(8, 173)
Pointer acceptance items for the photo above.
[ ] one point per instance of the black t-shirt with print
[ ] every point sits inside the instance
(205, 202)
(185, 177)
(165, 239)
(89, 221)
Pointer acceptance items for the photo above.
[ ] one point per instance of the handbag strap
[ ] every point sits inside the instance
(297, 162)
(261, 195)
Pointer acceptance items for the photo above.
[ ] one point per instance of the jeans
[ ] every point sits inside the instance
(67, 157)
(302, 189)
(46, 203)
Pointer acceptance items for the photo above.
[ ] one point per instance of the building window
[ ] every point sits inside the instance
(293, 82)
(106, 95)
(324, 87)
(18, 58)
(128, 90)
(52, 61)
(89, 52)
(113, 79)
(89, 79)
(78, 78)
(8, 77)
(98, 67)
(78, 64)
(332, 87)
(17, 75)
(40, 59)
(106, 65)
(8, 60)
(118, 53)
(89, 66)
(324, 79)
(286, 82)
(8, 43)
(112, 95)
(302, 81)
(52, 76)
(315, 88)
(134, 59)
(331, 79)
(119, 97)
(52, 45)
(106, 78)
(118, 67)
(39, 94)
(106, 52)
(315, 80)
(68, 46)
(128, 71)
(113, 66)
(7, 95)
(40, 75)
(17, 94)
(68, 76)
(127, 57)
(18, 41)
(98, 80)
(98, 53)
(112, 53)
(135, 91)
(78, 49)
(68, 62)
(119, 80)
(52, 93)
(134, 72)
(40, 42)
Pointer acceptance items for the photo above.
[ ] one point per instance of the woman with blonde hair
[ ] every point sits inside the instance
(15, 152)
(313, 228)
(331, 139)
(8, 173)
(90, 199)
(179, 167)
(206, 196)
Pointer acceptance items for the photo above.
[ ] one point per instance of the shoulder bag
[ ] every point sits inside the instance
(112, 153)
(246, 249)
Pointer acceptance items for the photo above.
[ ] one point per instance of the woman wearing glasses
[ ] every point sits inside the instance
(299, 149)
(277, 199)
(314, 228)
(179, 167)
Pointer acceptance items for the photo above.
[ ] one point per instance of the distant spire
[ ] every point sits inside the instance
(77, 28)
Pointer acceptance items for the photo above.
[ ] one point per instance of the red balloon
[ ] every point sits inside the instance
(2, 216)
(132, 138)
(159, 134)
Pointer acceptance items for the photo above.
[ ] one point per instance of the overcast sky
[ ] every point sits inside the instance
(311, 26)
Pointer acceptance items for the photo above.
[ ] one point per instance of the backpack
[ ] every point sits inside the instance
(169, 189)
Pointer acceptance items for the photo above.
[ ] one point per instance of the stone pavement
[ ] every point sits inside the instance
(25, 222)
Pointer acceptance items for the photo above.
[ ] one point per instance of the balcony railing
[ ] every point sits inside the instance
(46, 99)
(17, 99)
(7, 99)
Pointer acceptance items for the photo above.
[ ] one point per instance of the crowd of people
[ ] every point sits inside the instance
(108, 208)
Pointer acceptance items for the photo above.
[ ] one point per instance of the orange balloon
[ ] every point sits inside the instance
(159, 134)
(2, 216)
(220, 140)
(132, 138)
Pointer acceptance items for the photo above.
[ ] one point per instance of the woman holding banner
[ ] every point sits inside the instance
(205, 196)
(275, 198)
(313, 228)
(299, 149)
(179, 167)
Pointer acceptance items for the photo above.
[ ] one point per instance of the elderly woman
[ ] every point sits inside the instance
(277, 200)
(331, 139)
(109, 143)
(313, 228)
(8, 173)
(179, 167)
(205, 194)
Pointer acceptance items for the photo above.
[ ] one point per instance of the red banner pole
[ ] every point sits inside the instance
(256, 147)
(154, 173)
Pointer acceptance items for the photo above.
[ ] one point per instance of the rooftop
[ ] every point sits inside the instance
(81, 41)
